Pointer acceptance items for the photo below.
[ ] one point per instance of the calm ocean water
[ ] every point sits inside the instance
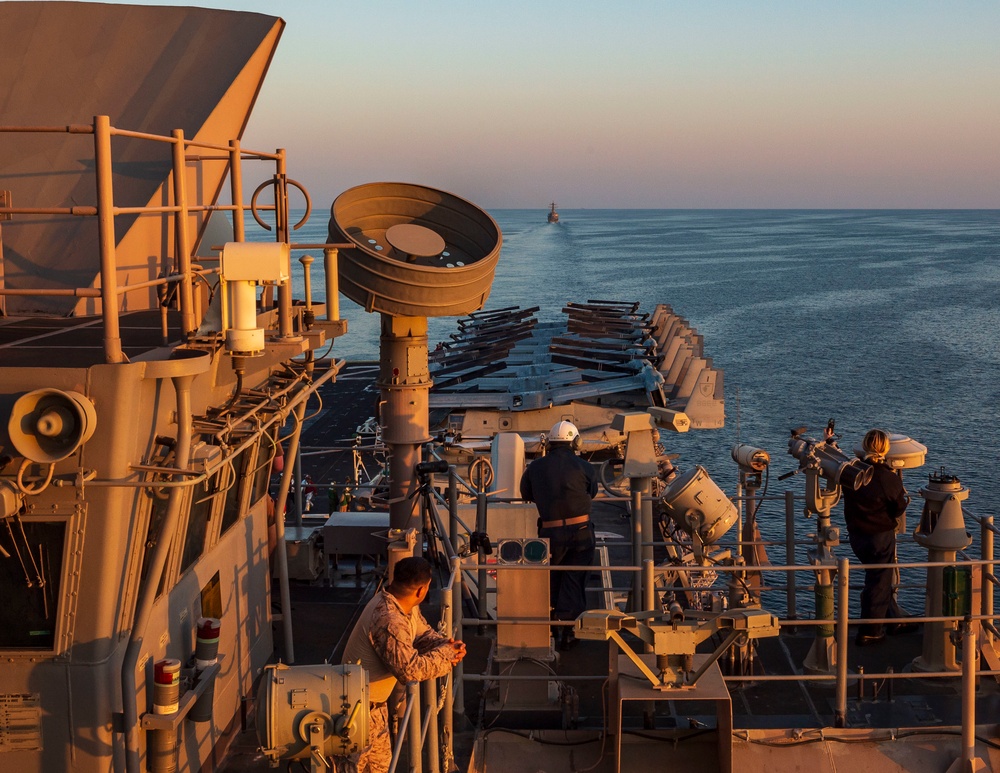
(875, 318)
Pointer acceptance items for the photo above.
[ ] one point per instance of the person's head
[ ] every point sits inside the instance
(564, 434)
(875, 445)
(411, 576)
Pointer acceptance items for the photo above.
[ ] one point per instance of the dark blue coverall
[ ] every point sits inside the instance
(562, 486)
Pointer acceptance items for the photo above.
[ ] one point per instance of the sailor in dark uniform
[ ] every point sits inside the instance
(562, 486)
(872, 513)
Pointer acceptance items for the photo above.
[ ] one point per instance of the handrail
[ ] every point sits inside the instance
(985, 618)
(982, 619)
(105, 211)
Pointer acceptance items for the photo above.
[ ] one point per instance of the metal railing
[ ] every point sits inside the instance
(975, 627)
(181, 268)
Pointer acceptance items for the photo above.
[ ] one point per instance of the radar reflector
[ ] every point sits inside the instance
(410, 252)
(418, 251)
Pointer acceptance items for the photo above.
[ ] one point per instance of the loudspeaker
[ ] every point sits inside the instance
(47, 425)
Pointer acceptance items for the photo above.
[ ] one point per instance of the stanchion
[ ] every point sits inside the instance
(968, 762)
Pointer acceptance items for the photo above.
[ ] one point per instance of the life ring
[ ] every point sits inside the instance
(288, 181)
(481, 473)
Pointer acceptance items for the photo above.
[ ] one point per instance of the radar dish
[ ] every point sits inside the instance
(418, 251)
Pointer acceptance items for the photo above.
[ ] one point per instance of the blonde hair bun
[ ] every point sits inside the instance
(876, 444)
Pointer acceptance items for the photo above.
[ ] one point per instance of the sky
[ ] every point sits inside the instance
(640, 103)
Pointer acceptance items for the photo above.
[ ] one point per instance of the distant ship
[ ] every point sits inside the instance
(553, 215)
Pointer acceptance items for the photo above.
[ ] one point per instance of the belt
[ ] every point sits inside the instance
(566, 522)
(373, 706)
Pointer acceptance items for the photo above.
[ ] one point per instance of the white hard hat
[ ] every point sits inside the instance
(563, 432)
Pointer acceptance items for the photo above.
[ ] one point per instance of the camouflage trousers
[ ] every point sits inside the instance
(376, 756)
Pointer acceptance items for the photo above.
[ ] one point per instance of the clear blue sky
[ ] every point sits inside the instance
(649, 103)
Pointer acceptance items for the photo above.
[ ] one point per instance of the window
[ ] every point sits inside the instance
(262, 471)
(29, 582)
(235, 476)
(203, 496)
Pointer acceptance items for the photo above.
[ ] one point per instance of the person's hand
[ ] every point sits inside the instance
(458, 650)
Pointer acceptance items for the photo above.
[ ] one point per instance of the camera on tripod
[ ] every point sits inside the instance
(426, 469)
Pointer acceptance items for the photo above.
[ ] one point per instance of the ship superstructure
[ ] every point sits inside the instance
(149, 360)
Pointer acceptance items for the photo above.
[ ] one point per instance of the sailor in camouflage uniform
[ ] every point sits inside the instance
(394, 643)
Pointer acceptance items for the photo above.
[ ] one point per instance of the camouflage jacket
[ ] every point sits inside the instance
(393, 647)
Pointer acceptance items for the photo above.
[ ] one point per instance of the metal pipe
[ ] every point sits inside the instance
(279, 528)
(790, 552)
(158, 560)
(453, 522)
(282, 235)
(106, 237)
(236, 190)
(75, 292)
(781, 621)
(161, 280)
(298, 490)
(435, 517)
(190, 477)
(969, 697)
(330, 269)
(647, 520)
(430, 740)
(404, 382)
(413, 727)
(181, 249)
(636, 491)
(739, 513)
(397, 747)
(843, 593)
(482, 573)
(986, 595)
(454, 694)
(307, 261)
(648, 594)
(762, 678)
(726, 569)
(648, 586)
(457, 694)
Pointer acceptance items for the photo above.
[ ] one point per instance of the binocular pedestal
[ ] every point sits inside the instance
(822, 656)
